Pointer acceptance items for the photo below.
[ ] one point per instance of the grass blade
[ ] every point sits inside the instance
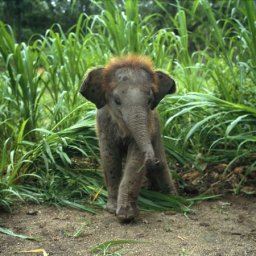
(9, 232)
(111, 243)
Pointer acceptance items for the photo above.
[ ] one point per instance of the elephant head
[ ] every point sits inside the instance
(130, 89)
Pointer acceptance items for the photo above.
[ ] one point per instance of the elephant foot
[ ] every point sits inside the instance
(111, 206)
(153, 164)
(126, 213)
(171, 190)
(174, 190)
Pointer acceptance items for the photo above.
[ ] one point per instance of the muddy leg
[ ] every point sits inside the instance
(127, 208)
(160, 178)
(112, 168)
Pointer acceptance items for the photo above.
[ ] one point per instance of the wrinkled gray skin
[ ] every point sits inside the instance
(128, 129)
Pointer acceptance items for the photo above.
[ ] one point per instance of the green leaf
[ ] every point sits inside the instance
(21, 131)
(111, 243)
(9, 232)
(77, 206)
(234, 123)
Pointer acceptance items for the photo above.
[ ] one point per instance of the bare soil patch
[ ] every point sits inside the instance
(223, 227)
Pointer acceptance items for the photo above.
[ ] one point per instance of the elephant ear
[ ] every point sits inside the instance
(166, 85)
(92, 87)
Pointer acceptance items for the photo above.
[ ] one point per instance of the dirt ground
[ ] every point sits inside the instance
(226, 226)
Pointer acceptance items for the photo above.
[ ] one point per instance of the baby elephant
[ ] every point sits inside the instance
(126, 92)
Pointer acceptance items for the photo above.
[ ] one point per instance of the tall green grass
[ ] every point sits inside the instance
(23, 91)
(45, 124)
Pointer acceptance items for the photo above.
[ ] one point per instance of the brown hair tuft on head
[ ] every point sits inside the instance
(132, 61)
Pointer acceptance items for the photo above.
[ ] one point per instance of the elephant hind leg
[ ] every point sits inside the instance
(160, 180)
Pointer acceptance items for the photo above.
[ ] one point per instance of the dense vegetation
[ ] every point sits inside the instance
(47, 130)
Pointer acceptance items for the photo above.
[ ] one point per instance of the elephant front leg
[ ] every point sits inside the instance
(112, 168)
(129, 188)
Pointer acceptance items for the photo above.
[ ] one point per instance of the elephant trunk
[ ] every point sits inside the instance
(137, 122)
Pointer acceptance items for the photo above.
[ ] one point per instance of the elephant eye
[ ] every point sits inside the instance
(117, 100)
